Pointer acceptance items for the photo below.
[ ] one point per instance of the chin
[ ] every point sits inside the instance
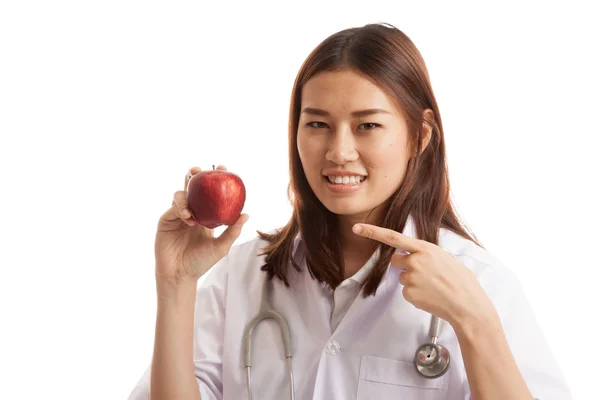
(346, 206)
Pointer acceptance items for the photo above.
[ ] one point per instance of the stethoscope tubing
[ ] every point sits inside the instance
(430, 369)
(267, 312)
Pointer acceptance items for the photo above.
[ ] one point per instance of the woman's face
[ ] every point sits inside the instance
(352, 141)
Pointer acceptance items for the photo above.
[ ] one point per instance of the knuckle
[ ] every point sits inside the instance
(403, 278)
(429, 247)
(413, 261)
(390, 238)
(179, 198)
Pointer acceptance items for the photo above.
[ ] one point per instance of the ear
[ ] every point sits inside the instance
(426, 129)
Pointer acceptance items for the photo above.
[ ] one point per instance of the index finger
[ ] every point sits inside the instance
(389, 237)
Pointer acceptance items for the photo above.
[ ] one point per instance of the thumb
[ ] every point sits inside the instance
(226, 239)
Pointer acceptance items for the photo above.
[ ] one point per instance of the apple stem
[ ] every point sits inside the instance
(213, 167)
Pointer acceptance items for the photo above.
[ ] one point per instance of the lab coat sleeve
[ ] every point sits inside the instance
(525, 337)
(209, 325)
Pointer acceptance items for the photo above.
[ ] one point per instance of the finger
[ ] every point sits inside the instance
(229, 236)
(400, 261)
(171, 214)
(222, 168)
(405, 278)
(389, 237)
(180, 204)
(193, 171)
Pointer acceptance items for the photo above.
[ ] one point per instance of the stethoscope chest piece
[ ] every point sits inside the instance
(432, 360)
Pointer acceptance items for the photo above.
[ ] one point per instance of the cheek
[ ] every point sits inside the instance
(301, 146)
(388, 160)
(307, 149)
(384, 150)
(307, 156)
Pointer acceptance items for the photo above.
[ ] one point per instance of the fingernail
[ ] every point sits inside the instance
(357, 228)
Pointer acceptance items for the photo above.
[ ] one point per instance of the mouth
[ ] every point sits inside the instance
(344, 184)
(344, 180)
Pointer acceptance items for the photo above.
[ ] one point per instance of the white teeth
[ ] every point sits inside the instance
(345, 180)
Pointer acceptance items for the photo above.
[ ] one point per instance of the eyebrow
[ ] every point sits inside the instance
(361, 113)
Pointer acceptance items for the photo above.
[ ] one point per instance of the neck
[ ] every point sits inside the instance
(356, 250)
(350, 242)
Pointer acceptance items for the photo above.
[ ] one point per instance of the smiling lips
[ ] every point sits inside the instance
(344, 177)
(343, 181)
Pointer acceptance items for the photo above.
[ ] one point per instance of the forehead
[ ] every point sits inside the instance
(344, 90)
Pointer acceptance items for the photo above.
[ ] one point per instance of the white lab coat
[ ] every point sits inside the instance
(345, 346)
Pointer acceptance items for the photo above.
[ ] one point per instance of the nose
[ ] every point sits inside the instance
(341, 147)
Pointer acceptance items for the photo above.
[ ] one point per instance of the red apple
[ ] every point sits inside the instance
(216, 197)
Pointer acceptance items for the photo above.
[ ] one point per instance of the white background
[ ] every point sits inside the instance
(105, 105)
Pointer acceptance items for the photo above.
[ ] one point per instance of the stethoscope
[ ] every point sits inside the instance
(432, 360)
(267, 312)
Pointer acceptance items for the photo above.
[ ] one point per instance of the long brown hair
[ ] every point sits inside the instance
(386, 55)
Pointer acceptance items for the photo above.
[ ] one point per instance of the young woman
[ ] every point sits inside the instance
(372, 251)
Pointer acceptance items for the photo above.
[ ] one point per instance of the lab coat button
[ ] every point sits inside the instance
(332, 348)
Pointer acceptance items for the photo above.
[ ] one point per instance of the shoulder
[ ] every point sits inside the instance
(495, 277)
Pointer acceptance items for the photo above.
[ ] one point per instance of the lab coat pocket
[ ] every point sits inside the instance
(387, 379)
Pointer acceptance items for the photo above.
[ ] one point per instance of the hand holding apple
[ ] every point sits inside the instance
(185, 246)
(216, 197)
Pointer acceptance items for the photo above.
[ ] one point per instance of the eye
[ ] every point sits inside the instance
(317, 125)
(368, 126)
